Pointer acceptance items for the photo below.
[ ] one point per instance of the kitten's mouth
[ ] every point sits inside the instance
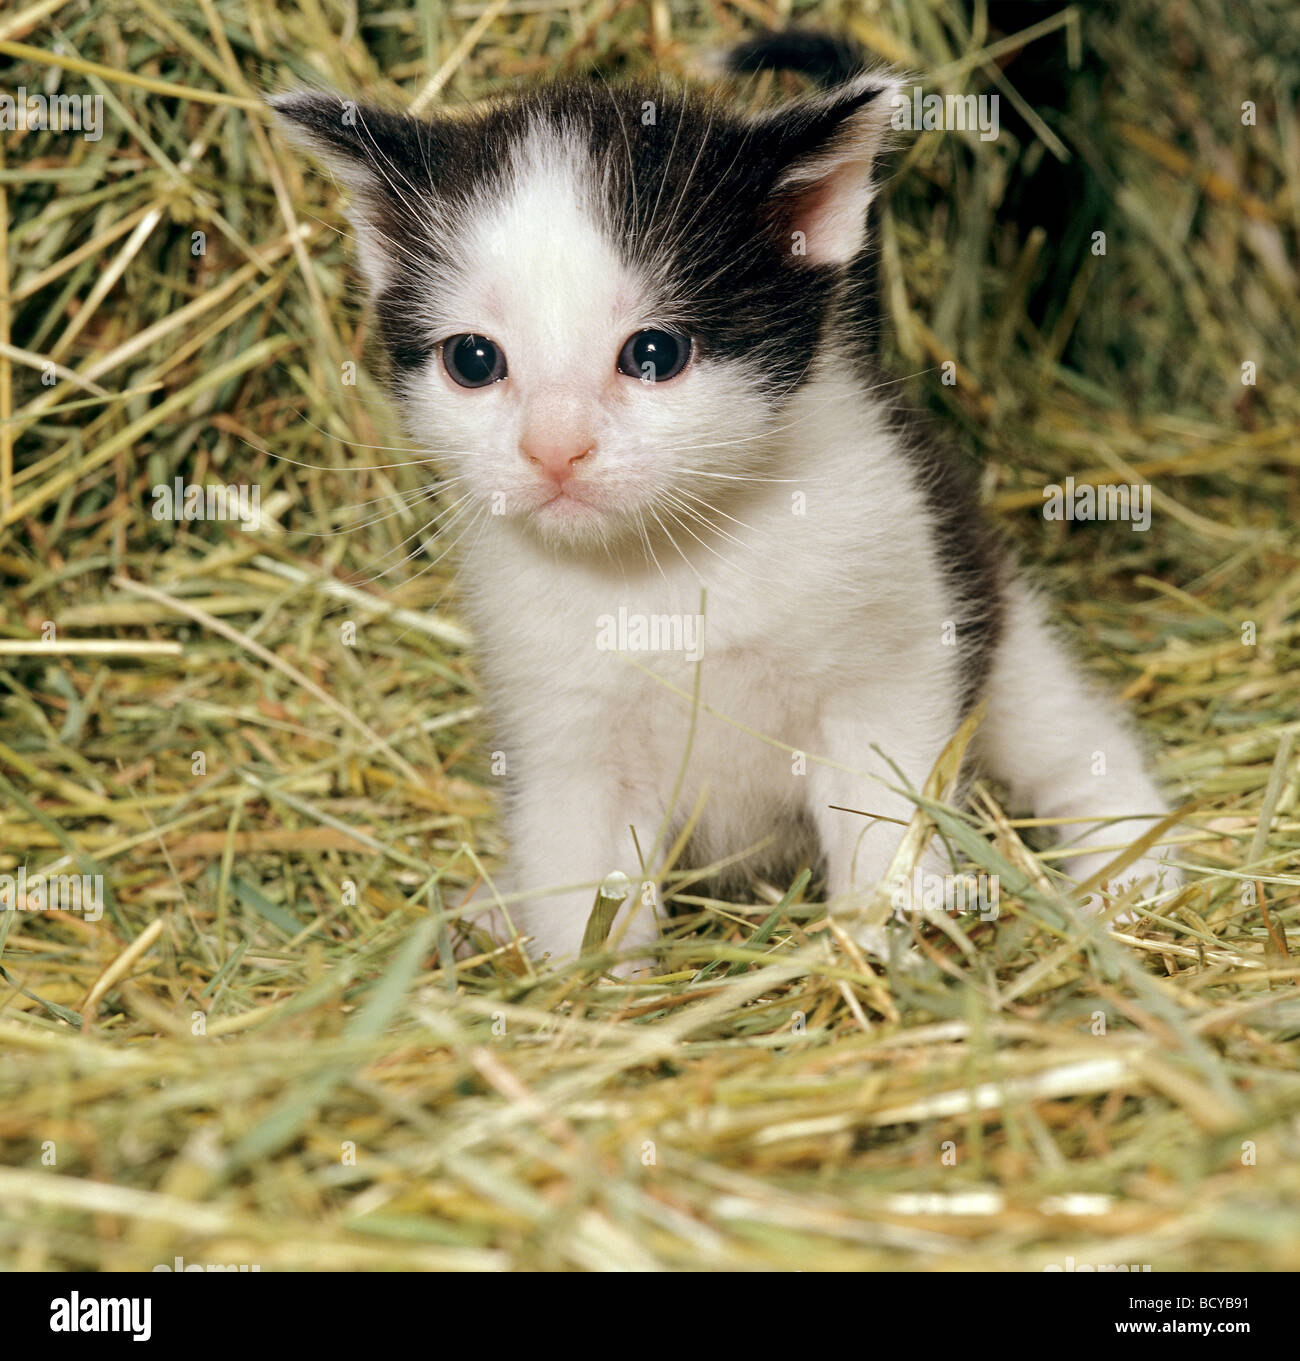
(568, 516)
(565, 494)
(565, 504)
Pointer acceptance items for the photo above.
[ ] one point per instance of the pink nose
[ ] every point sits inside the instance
(556, 458)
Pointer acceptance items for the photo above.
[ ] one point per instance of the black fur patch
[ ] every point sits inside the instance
(819, 56)
(689, 185)
(969, 549)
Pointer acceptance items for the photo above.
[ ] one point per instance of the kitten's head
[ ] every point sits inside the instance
(597, 301)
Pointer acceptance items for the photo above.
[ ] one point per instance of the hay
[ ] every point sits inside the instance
(246, 1061)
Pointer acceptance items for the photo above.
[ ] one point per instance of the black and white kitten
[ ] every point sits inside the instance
(634, 326)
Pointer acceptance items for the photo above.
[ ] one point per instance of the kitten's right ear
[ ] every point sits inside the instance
(372, 153)
(359, 142)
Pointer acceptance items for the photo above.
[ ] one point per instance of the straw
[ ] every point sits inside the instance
(268, 747)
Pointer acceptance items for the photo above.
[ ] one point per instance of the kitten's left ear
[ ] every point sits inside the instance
(827, 146)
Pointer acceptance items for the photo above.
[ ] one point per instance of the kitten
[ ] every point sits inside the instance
(635, 327)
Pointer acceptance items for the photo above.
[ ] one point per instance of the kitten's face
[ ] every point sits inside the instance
(596, 303)
(602, 400)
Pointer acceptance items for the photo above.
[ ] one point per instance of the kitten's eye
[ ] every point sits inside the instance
(473, 361)
(654, 356)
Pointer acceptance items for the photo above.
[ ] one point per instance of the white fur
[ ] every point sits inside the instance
(1065, 750)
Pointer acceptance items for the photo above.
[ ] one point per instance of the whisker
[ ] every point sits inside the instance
(449, 514)
(681, 524)
(690, 565)
(426, 494)
(433, 562)
(708, 505)
(483, 514)
(695, 515)
(645, 538)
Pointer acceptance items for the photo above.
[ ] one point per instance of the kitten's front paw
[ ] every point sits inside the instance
(558, 924)
(1151, 874)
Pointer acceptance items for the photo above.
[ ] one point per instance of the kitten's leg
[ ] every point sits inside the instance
(1066, 751)
(909, 727)
(569, 823)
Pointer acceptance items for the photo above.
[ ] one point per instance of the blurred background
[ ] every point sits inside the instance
(268, 745)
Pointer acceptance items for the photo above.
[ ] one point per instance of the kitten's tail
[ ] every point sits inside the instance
(820, 56)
